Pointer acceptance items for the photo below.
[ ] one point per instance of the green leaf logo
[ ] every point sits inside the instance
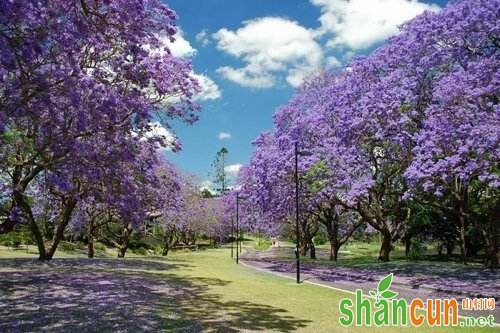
(389, 294)
(385, 283)
(383, 289)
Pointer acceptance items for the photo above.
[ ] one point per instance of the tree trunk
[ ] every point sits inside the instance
(168, 242)
(122, 250)
(407, 246)
(90, 247)
(334, 250)
(65, 218)
(385, 247)
(312, 252)
(495, 234)
(332, 229)
(127, 231)
(332, 225)
(48, 229)
(25, 207)
(42, 252)
(463, 245)
(461, 202)
(492, 236)
(90, 238)
(450, 246)
(303, 248)
(495, 251)
(440, 249)
(308, 231)
(492, 259)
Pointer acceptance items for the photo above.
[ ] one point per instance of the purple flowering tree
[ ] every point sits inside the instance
(191, 216)
(457, 148)
(80, 83)
(268, 186)
(417, 120)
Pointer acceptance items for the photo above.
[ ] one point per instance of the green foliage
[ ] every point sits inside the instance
(262, 244)
(474, 240)
(141, 251)
(139, 241)
(68, 246)
(158, 250)
(11, 135)
(99, 247)
(17, 237)
(320, 239)
(205, 193)
(219, 164)
(417, 250)
(11, 239)
(314, 177)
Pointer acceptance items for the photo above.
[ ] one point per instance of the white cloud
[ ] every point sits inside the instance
(358, 24)
(270, 47)
(158, 131)
(246, 77)
(180, 47)
(233, 169)
(203, 38)
(209, 89)
(224, 136)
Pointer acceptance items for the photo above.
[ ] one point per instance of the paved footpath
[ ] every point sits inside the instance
(477, 283)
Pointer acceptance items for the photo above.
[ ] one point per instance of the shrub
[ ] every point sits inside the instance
(158, 250)
(319, 239)
(417, 250)
(17, 242)
(262, 244)
(140, 251)
(80, 245)
(99, 247)
(474, 241)
(67, 246)
(12, 239)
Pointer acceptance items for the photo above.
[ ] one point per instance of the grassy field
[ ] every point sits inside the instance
(207, 291)
(359, 254)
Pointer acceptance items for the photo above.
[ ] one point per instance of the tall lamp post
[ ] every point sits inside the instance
(241, 240)
(297, 231)
(232, 236)
(237, 224)
(238, 231)
(297, 213)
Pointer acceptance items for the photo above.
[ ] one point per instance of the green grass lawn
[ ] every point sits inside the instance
(358, 254)
(212, 293)
(244, 299)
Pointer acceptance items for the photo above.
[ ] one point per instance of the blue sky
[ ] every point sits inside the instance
(252, 54)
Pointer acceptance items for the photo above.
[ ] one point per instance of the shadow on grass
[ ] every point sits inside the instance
(82, 295)
(214, 313)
